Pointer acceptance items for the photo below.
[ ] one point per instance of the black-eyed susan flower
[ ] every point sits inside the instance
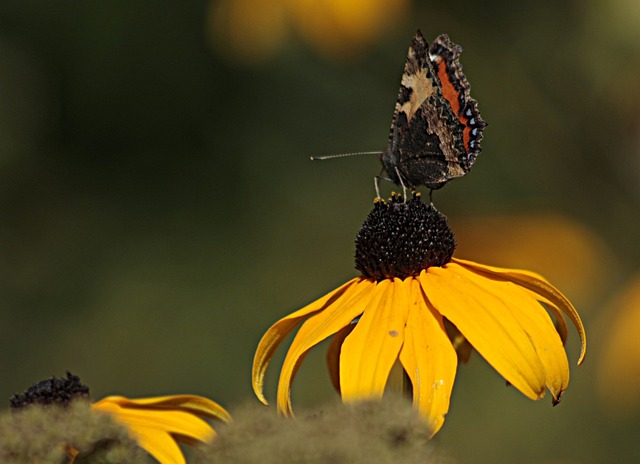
(156, 424)
(415, 304)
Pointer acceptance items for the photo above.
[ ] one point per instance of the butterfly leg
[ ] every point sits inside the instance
(375, 184)
(404, 188)
(376, 179)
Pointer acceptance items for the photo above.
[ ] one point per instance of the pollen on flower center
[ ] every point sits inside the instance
(400, 239)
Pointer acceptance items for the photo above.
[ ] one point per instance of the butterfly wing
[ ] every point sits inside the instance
(426, 141)
(445, 57)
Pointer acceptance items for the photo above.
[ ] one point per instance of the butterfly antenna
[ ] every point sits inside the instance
(343, 155)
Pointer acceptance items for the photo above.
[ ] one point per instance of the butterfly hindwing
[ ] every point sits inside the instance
(445, 57)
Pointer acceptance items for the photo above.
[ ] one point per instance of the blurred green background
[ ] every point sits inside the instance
(158, 209)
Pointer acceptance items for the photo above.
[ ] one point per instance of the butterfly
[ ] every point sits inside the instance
(436, 128)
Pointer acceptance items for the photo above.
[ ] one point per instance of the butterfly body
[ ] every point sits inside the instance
(436, 128)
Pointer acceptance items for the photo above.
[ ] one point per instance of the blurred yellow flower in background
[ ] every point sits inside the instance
(567, 252)
(618, 373)
(249, 30)
(396, 312)
(339, 29)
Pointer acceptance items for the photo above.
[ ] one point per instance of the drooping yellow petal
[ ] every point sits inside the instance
(198, 405)
(318, 327)
(169, 421)
(538, 286)
(489, 325)
(333, 355)
(276, 334)
(428, 358)
(159, 445)
(534, 321)
(153, 429)
(369, 352)
(560, 323)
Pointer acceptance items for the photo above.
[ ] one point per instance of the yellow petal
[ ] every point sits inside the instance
(536, 324)
(369, 352)
(169, 421)
(316, 328)
(159, 445)
(198, 405)
(428, 358)
(487, 322)
(541, 288)
(276, 334)
(153, 429)
(333, 355)
(560, 324)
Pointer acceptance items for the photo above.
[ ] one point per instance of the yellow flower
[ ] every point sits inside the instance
(415, 304)
(158, 424)
(253, 30)
(340, 29)
(620, 355)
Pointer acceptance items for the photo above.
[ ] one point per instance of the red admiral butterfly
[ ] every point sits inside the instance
(436, 127)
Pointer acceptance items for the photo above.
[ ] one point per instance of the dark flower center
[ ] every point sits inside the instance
(400, 239)
(51, 391)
